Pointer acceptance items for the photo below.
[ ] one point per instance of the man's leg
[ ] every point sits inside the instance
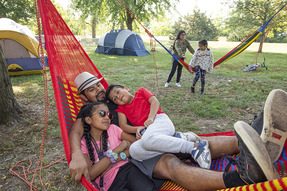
(254, 165)
(170, 167)
(219, 145)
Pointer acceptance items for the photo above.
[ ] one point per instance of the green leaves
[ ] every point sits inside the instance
(17, 10)
(197, 26)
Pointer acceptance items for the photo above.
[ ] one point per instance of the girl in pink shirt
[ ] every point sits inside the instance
(105, 148)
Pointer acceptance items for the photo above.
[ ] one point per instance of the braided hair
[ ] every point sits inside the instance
(87, 111)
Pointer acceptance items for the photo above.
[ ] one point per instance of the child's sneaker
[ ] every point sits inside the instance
(178, 84)
(188, 136)
(166, 85)
(201, 154)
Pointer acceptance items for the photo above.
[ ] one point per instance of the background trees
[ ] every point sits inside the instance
(197, 26)
(248, 15)
(110, 11)
(17, 10)
(103, 15)
(92, 11)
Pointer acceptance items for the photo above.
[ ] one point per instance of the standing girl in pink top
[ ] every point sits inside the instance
(143, 111)
(106, 153)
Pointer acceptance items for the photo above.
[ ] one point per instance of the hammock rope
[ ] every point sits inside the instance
(39, 166)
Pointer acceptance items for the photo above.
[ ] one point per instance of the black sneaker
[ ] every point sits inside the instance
(257, 123)
(254, 164)
(192, 90)
(202, 92)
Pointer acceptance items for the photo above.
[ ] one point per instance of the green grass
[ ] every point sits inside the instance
(231, 95)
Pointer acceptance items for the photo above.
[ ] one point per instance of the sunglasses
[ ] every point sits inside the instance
(104, 113)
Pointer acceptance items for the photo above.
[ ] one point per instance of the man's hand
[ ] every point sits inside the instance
(78, 167)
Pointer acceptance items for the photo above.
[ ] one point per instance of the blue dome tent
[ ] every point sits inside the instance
(121, 42)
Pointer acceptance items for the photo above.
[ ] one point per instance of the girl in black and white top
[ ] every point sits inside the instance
(202, 62)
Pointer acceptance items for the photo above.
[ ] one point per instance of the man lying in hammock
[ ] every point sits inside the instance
(256, 153)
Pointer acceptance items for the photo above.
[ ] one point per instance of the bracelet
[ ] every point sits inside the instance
(123, 156)
(111, 155)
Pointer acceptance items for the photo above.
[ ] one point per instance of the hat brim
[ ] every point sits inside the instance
(88, 83)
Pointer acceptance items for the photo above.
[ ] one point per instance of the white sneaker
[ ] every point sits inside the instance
(166, 85)
(188, 136)
(178, 84)
(201, 154)
(192, 137)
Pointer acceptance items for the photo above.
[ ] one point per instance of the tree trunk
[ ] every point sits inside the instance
(122, 25)
(262, 36)
(9, 108)
(94, 27)
(129, 22)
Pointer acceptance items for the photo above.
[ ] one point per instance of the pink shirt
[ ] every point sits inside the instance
(114, 140)
(138, 110)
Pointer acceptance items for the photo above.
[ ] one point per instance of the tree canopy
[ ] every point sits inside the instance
(197, 26)
(248, 15)
(17, 10)
(112, 12)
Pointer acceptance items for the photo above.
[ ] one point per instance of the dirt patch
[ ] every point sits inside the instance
(21, 142)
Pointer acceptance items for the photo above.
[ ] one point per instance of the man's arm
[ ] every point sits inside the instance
(78, 165)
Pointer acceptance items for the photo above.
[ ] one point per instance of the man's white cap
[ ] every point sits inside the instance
(85, 80)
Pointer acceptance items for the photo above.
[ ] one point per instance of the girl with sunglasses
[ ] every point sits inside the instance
(106, 150)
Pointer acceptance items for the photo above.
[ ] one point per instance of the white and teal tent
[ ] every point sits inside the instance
(121, 42)
(20, 48)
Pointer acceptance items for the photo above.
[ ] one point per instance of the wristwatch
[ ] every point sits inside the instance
(123, 156)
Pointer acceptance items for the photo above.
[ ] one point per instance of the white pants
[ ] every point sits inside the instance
(158, 139)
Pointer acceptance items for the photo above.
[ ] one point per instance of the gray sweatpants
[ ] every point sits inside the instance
(158, 139)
